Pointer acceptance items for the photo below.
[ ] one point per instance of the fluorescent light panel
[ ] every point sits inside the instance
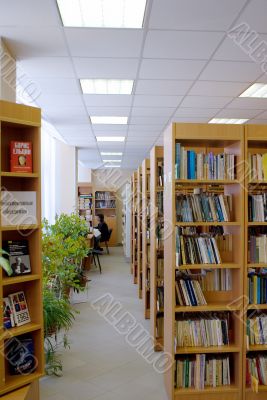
(227, 121)
(109, 120)
(258, 90)
(111, 161)
(102, 13)
(106, 86)
(112, 166)
(104, 153)
(110, 138)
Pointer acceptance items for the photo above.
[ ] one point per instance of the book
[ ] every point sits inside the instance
(256, 367)
(8, 316)
(257, 286)
(257, 207)
(19, 353)
(189, 293)
(257, 166)
(19, 308)
(20, 156)
(257, 329)
(19, 257)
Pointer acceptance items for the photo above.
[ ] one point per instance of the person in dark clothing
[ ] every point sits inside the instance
(103, 228)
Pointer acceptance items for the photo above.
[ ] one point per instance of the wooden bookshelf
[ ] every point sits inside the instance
(218, 139)
(156, 257)
(106, 204)
(139, 232)
(255, 142)
(134, 227)
(22, 123)
(85, 203)
(146, 236)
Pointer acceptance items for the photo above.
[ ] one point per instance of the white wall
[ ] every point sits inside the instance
(84, 174)
(65, 178)
(7, 74)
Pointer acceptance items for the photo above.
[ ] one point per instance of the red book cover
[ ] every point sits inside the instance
(20, 156)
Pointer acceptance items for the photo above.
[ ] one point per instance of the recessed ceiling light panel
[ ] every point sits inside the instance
(258, 90)
(109, 120)
(102, 13)
(227, 121)
(110, 138)
(106, 86)
(111, 161)
(104, 153)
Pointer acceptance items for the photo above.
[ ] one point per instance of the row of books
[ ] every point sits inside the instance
(203, 207)
(105, 204)
(257, 287)
(160, 298)
(192, 165)
(256, 368)
(257, 248)
(160, 268)
(160, 169)
(85, 202)
(257, 207)
(205, 330)
(104, 196)
(217, 280)
(160, 203)
(15, 310)
(189, 293)
(159, 326)
(202, 371)
(196, 249)
(257, 329)
(257, 166)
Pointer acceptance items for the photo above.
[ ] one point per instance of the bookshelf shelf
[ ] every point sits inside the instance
(146, 236)
(139, 232)
(197, 140)
(22, 124)
(257, 306)
(156, 253)
(257, 223)
(134, 227)
(257, 347)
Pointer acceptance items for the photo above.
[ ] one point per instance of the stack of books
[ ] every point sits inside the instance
(192, 165)
(257, 287)
(217, 280)
(203, 207)
(85, 201)
(257, 329)
(257, 207)
(258, 166)
(201, 371)
(189, 293)
(256, 366)
(257, 248)
(196, 249)
(205, 331)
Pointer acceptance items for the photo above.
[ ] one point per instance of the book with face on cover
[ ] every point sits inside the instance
(20, 156)
(19, 258)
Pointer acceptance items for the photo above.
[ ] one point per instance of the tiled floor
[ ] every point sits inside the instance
(100, 365)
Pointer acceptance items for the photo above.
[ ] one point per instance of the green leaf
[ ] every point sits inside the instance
(4, 263)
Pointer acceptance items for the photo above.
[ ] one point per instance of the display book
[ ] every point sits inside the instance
(22, 360)
(202, 274)
(146, 180)
(255, 290)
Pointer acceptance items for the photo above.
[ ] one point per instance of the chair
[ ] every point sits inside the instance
(107, 240)
(95, 253)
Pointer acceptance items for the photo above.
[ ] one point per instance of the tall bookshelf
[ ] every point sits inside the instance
(106, 203)
(146, 236)
(22, 123)
(139, 233)
(134, 227)
(255, 143)
(86, 203)
(156, 246)
(218, 139)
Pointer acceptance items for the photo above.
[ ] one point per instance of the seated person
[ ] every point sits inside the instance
(103, 228)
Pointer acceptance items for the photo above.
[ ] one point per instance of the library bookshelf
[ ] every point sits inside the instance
(218, 139)
(146, 236)
(134, 227)
(85, 203)
(255, 143)
(106, 203)
(139, 232)
(156, 247)
(22, 123)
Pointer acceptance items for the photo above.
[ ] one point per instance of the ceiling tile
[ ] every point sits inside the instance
(212, 88)
(148, 120)
(111, 68)
(205, 101)
(102, 129)
(145, 128)
(171, 44)
(255, 15)
(231, 71)
(257, 122)
(194, 14)
(162, 87)
(238, 113)
(109, 111)
(58, 86)
(156, 101)
(142, 133)
(248, 103)
(47, 67)
(229, 50)
(196, 112)
(105, 100)
(262, 115)
(26, 42)
(84, 42)
(152, 111)
(47, 101)
(191, 119)
(170, 69)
